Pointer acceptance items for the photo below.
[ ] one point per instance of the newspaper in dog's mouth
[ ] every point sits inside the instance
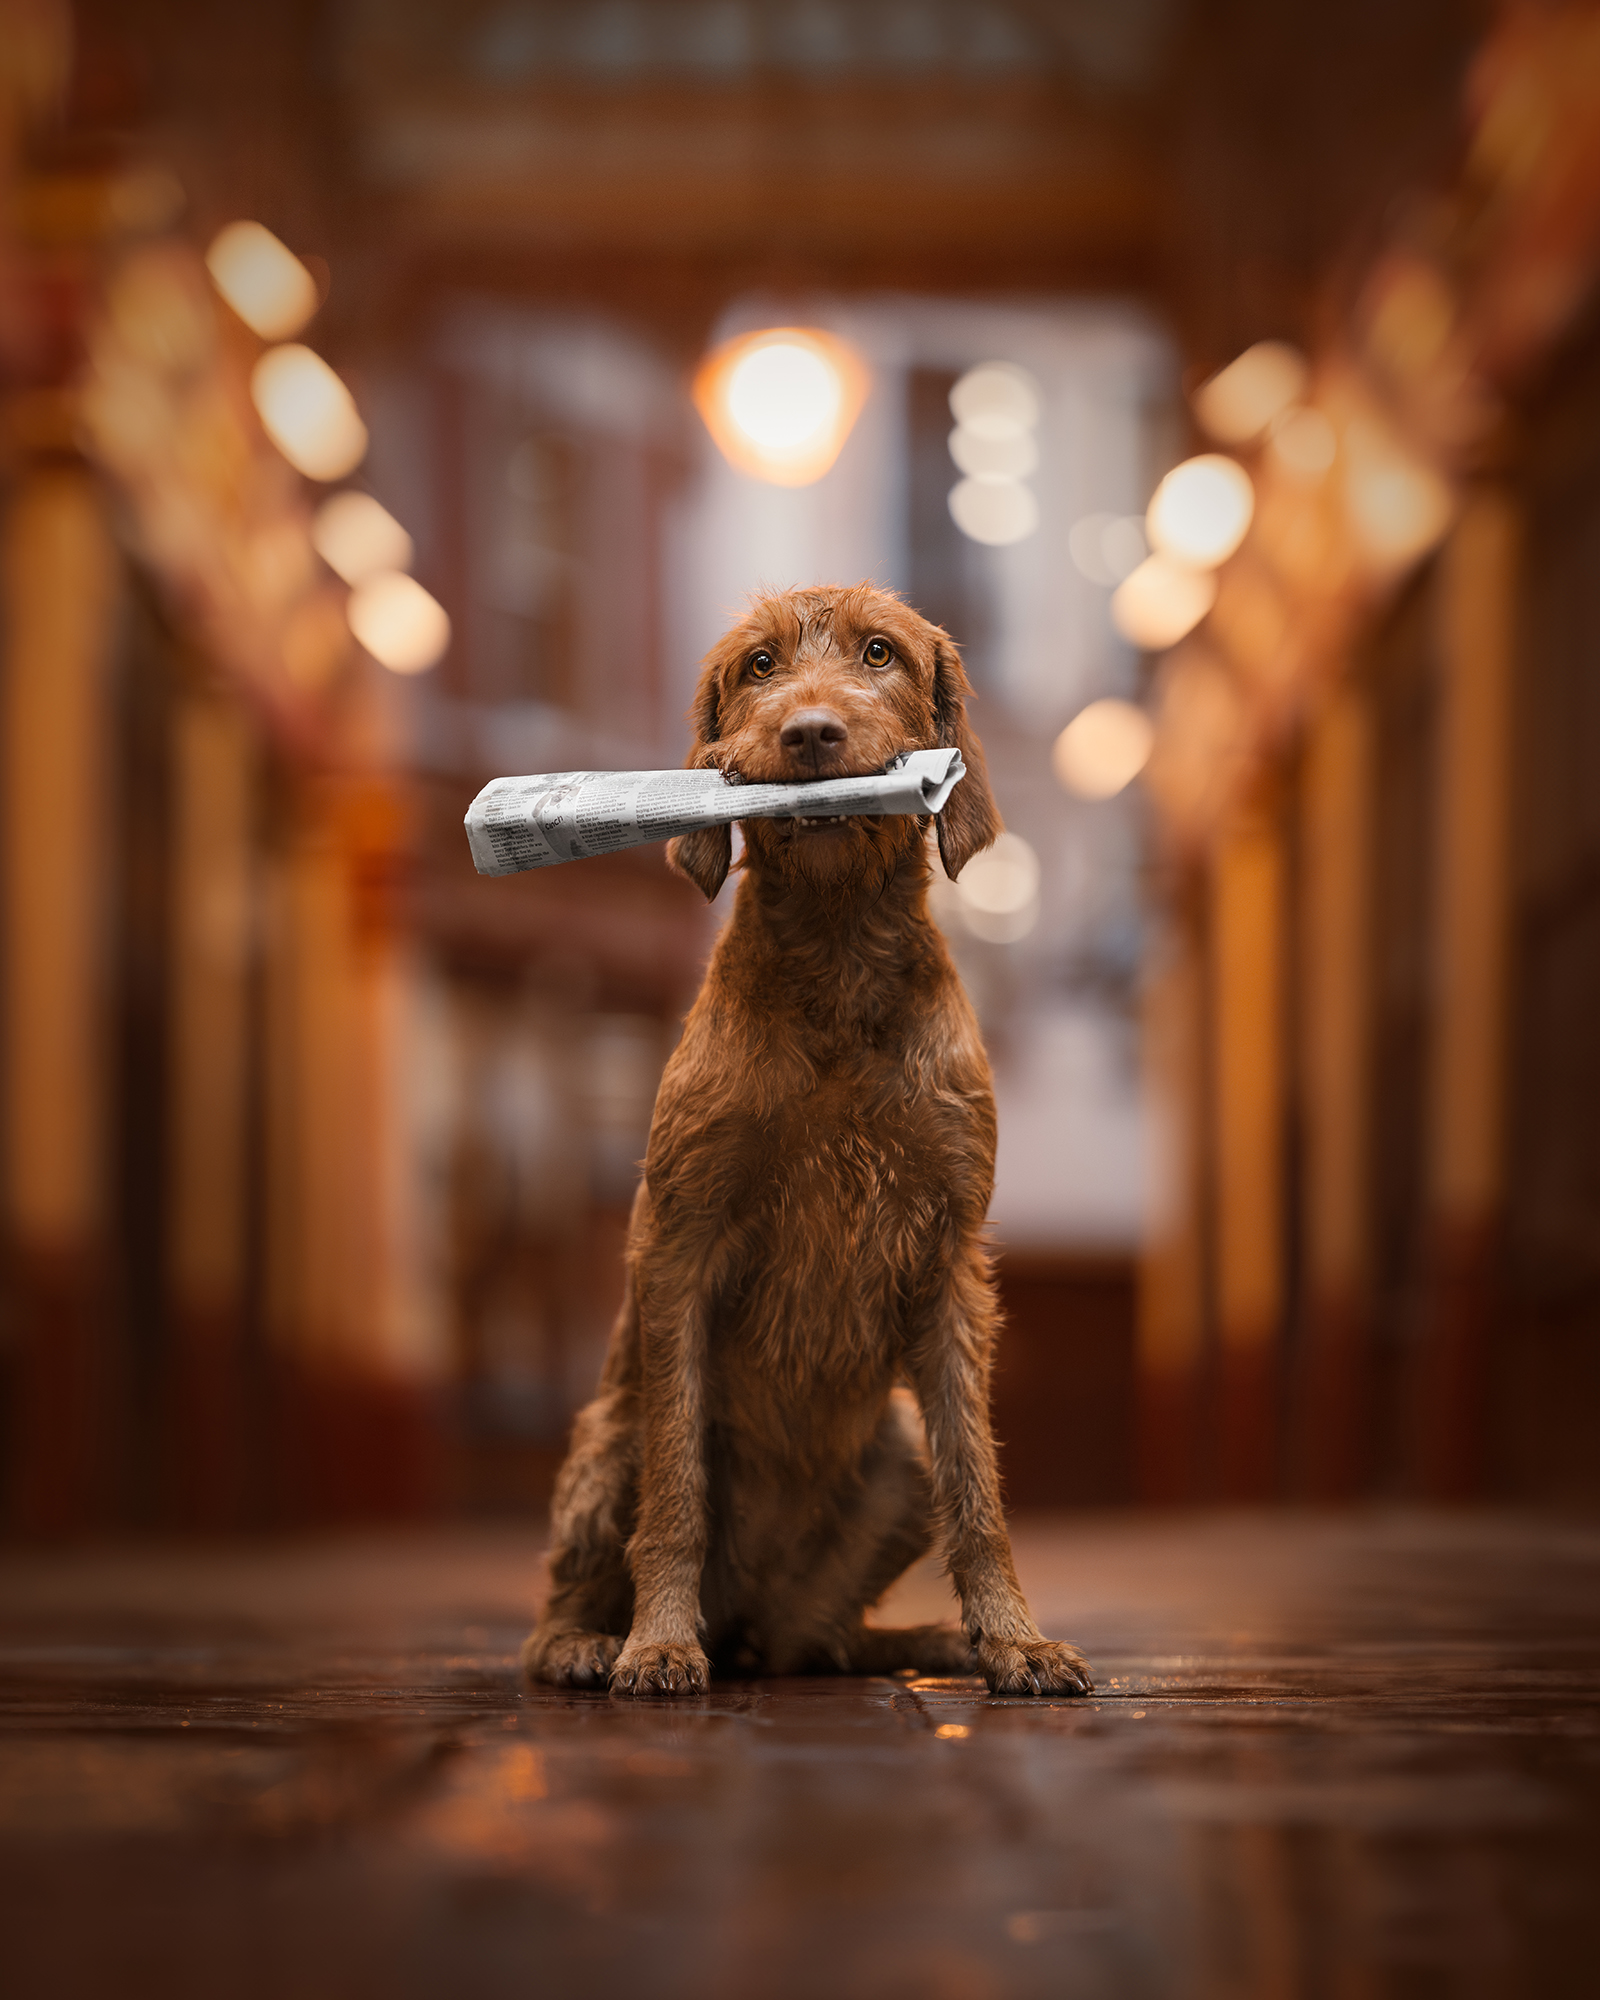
(517, 823)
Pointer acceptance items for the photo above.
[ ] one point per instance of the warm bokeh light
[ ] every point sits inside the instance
(782, 395)
(1398, 507)
(399, 623)
(781, 403)
(1107, 547)
(1160, 601)
(996, 400)
(983, 457)
(996, 407)
(308, 412)
(265, 282)
(356, 537)
(1103, 748)
(1201, 511)
(999, 891)
(994, 511)
(1241, 400)
(1306, 443)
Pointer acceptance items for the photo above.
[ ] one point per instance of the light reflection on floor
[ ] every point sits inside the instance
(1331, 1755)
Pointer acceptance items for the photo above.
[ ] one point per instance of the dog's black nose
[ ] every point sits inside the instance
(810, 732)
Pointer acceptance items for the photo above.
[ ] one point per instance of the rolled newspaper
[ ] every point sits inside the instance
(517, 823)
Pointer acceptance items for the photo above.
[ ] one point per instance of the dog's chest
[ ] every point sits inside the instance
(852, 1193)
(836, 1183)
(861, 1144)
(860, 1141)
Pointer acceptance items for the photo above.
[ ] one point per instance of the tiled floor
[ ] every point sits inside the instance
(1332, 1755)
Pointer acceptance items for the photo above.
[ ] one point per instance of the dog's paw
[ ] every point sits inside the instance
(1033, 1666)
(570, 1659)
(660, 1667)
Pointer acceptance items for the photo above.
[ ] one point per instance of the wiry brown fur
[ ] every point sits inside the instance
(796, 1397)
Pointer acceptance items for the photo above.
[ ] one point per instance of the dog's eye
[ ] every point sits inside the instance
(878, 653)
(761, 664)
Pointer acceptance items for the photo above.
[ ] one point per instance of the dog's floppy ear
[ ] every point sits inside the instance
(705, 855)
(970, 821)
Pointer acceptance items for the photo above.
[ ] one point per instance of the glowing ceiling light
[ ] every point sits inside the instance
(993, 511)
(308, 412)
(1160, 601)
(1201, 511)
(1103, 748)
(399, 623)
(265, 283)
(783, 395)
(1241, 400)
(781, 403)
(998, 893)
(996, 400)
(356, 537)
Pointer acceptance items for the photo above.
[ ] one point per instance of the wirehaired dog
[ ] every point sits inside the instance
(795, 1401)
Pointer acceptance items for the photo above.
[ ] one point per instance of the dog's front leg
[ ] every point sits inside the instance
(667, 1553)
(949, 1364)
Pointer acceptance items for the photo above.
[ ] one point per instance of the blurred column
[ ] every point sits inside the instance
(1478, 574)
(314, 1207)
(214, 814)
(1335, 980)
(352, 1356)
(1172, 1288)
(62, 594)
(1247, 963)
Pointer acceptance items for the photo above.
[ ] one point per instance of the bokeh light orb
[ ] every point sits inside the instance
(1398, 506)
(1106, 547)
(779, 404)
(356, 537)
(1306, 443)
(996, 400)
(262, 279)
(998, 893)
(1201, 511)
(1160, 601)
(1103, 748)
(783, 394)
(308, 412)
(400, 624)
(981, 457)
(995, 512)
(1241, 400)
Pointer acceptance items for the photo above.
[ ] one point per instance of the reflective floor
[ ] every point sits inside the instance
(1332, 1755)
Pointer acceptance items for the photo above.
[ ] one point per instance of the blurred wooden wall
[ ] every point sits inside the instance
(1372, 1266)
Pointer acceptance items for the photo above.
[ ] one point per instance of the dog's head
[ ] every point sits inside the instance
(832, 683)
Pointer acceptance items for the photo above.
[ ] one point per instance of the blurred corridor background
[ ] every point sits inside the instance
(1224, 375)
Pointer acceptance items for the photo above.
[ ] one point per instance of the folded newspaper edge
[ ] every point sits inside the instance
(517, 823)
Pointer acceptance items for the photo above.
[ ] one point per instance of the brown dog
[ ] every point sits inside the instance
(808, 1234)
